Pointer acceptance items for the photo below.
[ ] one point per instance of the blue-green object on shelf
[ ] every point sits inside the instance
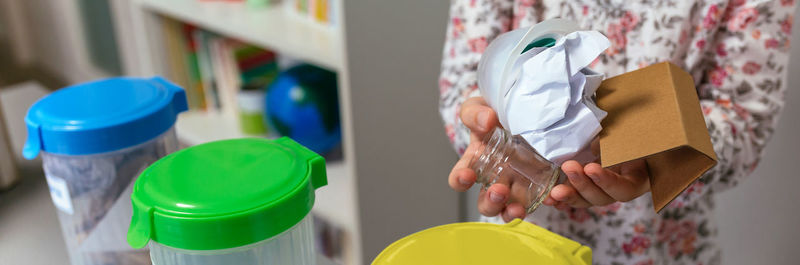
(303, 104)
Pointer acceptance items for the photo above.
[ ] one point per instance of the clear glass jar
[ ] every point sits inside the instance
(510, 160)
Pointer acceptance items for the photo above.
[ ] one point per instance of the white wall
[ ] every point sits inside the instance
(759, 220)
(401, 153)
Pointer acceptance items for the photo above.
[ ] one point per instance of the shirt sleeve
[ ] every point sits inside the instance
(472, 25)
(742, 87)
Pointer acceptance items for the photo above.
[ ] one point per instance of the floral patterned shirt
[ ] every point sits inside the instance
(737, 52)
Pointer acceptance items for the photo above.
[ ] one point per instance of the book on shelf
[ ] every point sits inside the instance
(319, 11)
(206, 76)
(195, 83)
(175, 51)
(213, 68)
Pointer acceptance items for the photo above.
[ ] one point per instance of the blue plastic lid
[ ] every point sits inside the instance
(102, 116)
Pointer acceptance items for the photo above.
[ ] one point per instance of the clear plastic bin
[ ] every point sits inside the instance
(294, 246)
(92, 194)
(240, 201)
(95, 139)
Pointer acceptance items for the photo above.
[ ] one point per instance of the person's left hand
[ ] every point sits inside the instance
(593, 185)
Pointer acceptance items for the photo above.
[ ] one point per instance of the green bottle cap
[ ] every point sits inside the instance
(225, 194)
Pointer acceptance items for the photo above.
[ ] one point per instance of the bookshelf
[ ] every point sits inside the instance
(267, 27)
(381, 189)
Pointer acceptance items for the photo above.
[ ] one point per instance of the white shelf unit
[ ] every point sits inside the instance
(383, 188)
(266, 27)
(197, 127)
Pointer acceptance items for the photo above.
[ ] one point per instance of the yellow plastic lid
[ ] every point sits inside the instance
(517, 242)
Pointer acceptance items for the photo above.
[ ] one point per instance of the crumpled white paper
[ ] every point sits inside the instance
(550, 99)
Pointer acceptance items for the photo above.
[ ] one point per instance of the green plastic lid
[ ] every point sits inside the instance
(225, 194)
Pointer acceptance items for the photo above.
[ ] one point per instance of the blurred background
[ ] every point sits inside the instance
(369, 69)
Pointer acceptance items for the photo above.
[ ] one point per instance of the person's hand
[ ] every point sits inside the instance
(589, 185)
(593, 185)
(481, 119)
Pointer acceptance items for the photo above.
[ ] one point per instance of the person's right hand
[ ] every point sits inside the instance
(481, 119)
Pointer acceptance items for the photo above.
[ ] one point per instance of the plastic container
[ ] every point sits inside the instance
(510, 160)
(517, 242)
(242, 201)
(95, 138)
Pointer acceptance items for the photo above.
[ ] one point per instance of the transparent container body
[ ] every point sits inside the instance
(510, 160)
(92, 197)
(294, 246)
